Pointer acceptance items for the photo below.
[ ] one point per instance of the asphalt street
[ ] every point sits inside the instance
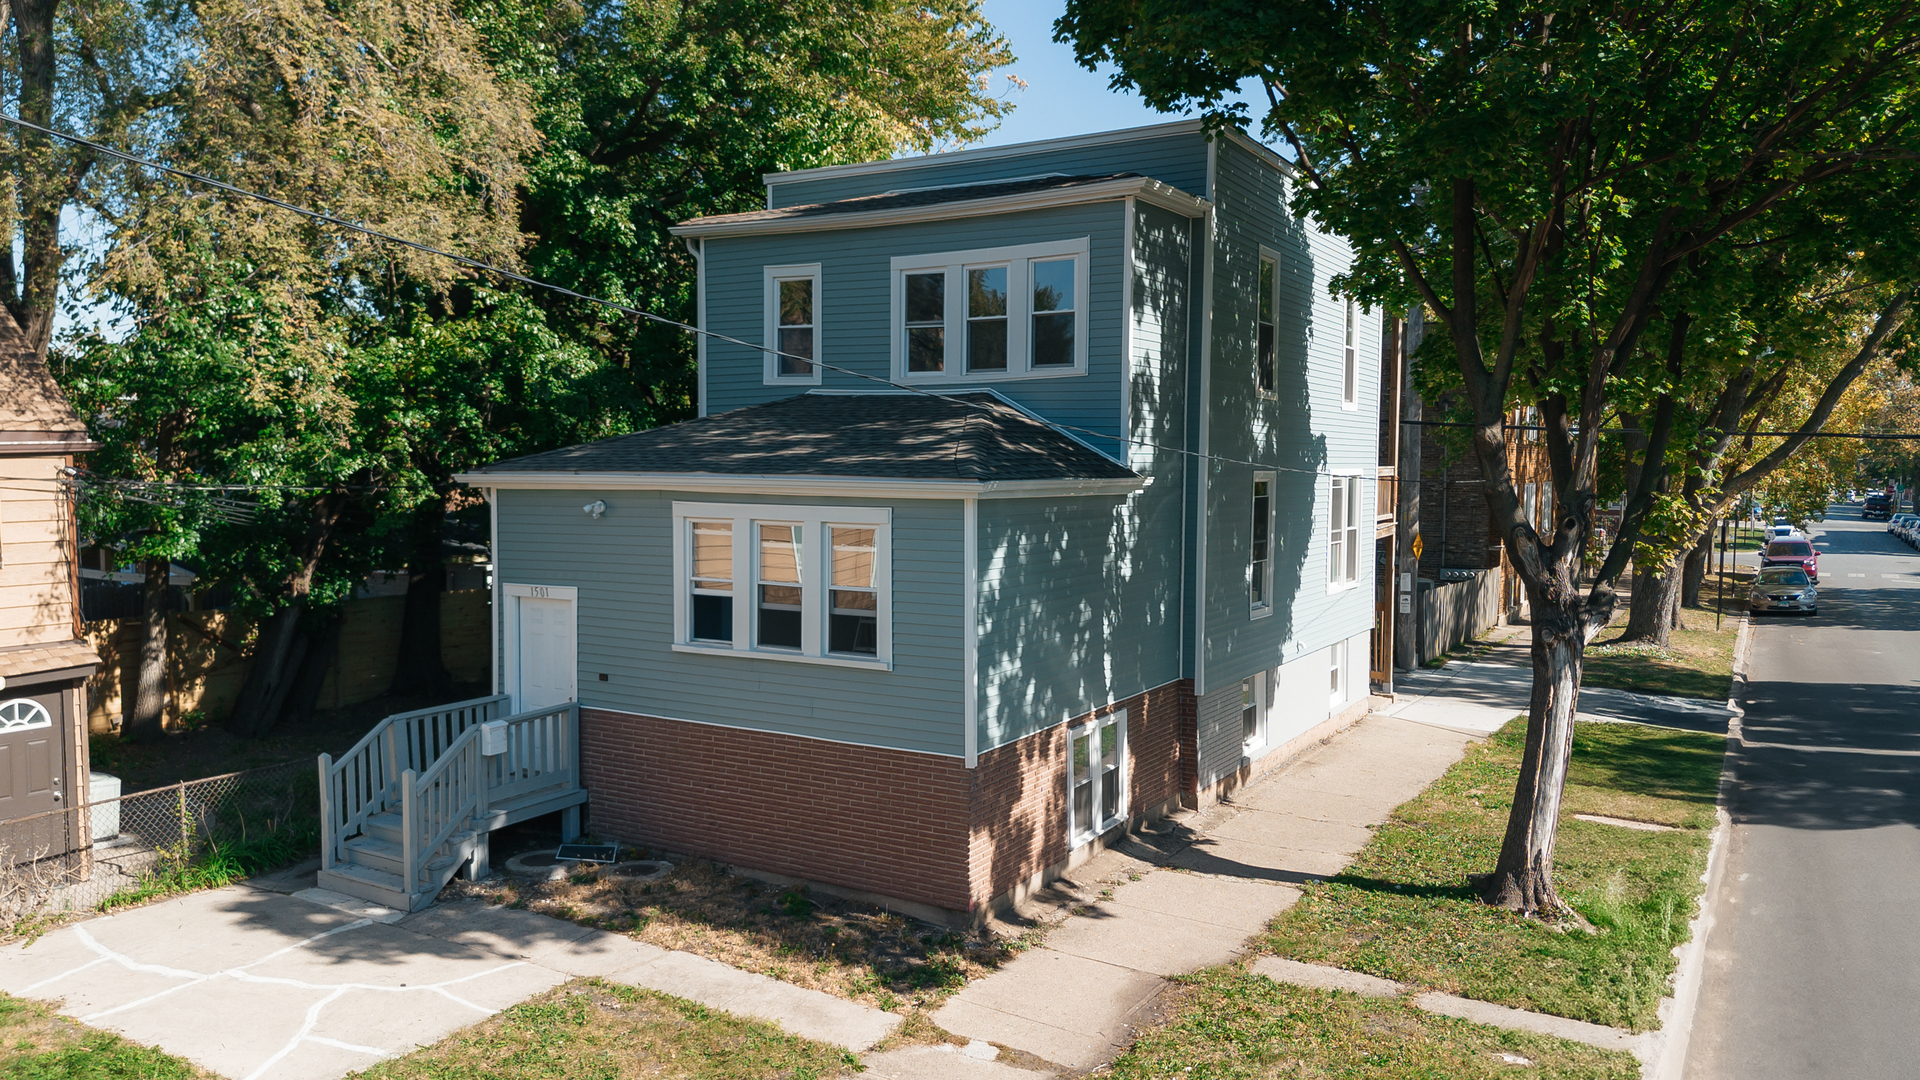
(1813, 961)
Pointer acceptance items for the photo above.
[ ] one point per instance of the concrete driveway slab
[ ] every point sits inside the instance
(1063, 1008)
(273, 1018)
(1259, 862)
(1243, 905)
(1143, 940)
(815, 1016)
(1290, 831)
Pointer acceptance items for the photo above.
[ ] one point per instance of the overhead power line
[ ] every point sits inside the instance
(613, 305)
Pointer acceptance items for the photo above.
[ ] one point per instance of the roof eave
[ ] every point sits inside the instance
(818, 486)
(1144, 188)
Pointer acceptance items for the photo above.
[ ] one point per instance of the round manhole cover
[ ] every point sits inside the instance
(639, 870)
(540, 865)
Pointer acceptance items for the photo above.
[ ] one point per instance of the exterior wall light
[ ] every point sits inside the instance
(595, 508)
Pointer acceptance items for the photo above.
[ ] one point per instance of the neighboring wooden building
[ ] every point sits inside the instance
(44, 656)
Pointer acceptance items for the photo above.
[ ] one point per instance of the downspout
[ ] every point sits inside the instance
(1206, 425)
(970, 625)
(698, 249)
(493, 587)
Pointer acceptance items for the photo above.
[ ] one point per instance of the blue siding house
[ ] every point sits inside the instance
(1031, 497)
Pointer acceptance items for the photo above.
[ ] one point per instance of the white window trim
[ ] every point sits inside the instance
(772, 276)
(1338, 585)
(1263, 711)
(1337, 666)
(815, 568)
(1350, 356)
(1267, 254)
(1265, 609)
(1019, 303)
(509, 624)
(1085, 832)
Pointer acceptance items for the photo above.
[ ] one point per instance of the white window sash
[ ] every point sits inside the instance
(816, 569)
(772, 276)
(1018, 262)
(1083, 831)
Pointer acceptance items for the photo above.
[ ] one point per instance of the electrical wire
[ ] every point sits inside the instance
(1080, 433)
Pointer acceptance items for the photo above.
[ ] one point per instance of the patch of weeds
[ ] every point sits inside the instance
(220, 863)
(593, 1029)
(809, 939)
(1226, 1024)
(38, 1044)
(1403, 909)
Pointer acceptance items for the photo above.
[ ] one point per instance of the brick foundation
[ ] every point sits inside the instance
(883, 824)
(1019, 818)
(888, 822)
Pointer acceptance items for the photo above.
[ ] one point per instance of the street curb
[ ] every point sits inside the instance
(1669, 1059)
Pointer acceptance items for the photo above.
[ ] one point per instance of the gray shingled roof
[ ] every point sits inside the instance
(965, 437)
(903, 199)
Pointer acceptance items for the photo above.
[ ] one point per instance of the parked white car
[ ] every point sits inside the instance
(1784, 588)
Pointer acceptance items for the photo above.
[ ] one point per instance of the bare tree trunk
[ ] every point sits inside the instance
(322, 631)
(1655, 607)
(1522, 878)
(283, 645)
(44, 183)
(1695, 573)
(421, 670)
(146, 721)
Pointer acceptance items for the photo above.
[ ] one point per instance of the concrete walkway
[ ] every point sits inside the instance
(259, 985)
(1190, 893)
(1480, 696)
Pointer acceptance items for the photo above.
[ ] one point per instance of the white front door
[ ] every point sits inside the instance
(547, 660)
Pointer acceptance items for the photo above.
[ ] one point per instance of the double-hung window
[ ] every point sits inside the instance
(1266, 339)
(810, 583)
(992, 313)
(1260, 560)
(1337, 672)
(1096, 776)
(1253, 712)
(1343, 531)
(793, 324)
(1350, 364)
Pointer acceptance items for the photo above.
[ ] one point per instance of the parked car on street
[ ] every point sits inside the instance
(1878, 507)
(1798, 553)
(1895, 521)
(1783, 588)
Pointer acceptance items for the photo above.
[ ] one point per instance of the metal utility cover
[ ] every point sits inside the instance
(595, 853)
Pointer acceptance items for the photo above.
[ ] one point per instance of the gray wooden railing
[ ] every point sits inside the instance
(366, 779)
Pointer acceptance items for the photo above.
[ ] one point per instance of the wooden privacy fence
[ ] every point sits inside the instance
(1452, 612)
(209, 656)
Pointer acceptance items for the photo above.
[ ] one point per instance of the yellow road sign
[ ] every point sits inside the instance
(1418, 546)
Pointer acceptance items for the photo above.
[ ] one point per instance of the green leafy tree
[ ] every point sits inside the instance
(1536, 175)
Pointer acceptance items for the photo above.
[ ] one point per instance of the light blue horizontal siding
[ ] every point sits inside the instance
(1081, 600)
(856, 298)
(622, 563)
(1176, 160)
(1303, 432)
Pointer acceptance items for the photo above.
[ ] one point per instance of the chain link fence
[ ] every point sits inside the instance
(72, 859)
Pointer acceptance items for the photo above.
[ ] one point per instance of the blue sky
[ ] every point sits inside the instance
(1062, 98)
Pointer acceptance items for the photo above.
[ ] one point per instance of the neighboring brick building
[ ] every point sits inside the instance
(1459, 531)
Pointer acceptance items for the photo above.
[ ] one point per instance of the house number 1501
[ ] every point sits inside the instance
(537, 591)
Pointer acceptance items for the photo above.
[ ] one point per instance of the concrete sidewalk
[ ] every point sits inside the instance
(1189, 894)
(1479, 696)
(258, 985)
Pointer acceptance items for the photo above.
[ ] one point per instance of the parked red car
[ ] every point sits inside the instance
(1793, 553)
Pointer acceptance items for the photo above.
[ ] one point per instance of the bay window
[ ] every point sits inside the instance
(808, 583)
(995, 313)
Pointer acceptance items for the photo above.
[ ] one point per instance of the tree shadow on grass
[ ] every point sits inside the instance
(1682, 766)
(1462, 891)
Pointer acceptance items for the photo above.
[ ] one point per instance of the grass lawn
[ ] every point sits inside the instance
(1225, 1024)
(1698, 663)
(1403, 909)
(38, 1044)
(593, 1030)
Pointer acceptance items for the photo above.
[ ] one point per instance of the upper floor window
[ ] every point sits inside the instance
(1350, 363)
(1266, 340)
(994, 313)
(806, 583)
(793, 324)
(1260, 565)
(1343, 531)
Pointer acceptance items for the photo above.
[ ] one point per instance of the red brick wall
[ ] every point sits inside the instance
(1019, 796)
(886, 821)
